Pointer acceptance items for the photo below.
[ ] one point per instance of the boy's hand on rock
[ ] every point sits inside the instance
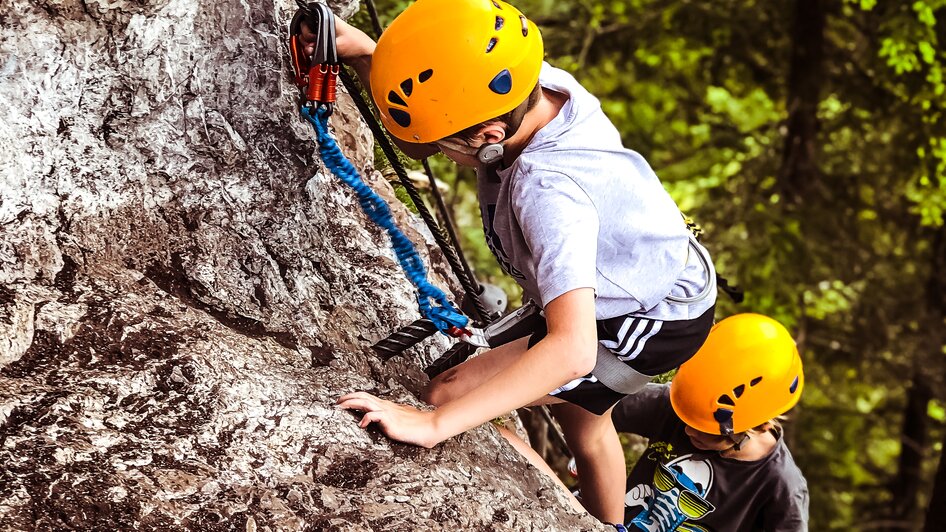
(398, 422)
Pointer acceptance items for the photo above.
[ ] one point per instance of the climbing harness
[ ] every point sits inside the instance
(707, 266)
(316, 77)
(734, 292)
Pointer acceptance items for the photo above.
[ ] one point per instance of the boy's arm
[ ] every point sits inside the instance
(567, 352)
(646, 412)
(787, 512)
(355, 49)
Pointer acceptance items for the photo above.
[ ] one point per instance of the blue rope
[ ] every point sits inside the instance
(443, 316)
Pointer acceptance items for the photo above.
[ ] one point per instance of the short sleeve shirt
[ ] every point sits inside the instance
(577, 209)
(675, 486)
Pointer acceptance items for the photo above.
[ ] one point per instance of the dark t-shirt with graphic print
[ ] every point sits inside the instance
(675, 486)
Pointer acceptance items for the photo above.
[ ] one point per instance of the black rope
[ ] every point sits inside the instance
(454, 254)
(556, 430)
(452, 357)
(450, 254)
(441, 206)
(448, 222)
(375, 21)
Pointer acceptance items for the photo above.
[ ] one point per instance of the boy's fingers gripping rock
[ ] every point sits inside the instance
(360, 401)
(371, 417)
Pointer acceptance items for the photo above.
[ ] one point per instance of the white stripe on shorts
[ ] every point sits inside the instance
(615, 344)
(572, 384)
(642, 341)
(628, 342)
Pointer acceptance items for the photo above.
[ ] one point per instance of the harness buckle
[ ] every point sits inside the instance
(471, 335)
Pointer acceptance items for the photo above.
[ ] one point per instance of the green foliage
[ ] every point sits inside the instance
(911, 48)
(936, 411)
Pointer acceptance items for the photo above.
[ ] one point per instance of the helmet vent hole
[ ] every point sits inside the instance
(402, 118)
(495, 3)
(525, 25)
(737, 391)
(499, 23)
(425, 75)
(755, 381)
(502, 83)
(725, 400)
(794, 386)
(407, 86)
(491, 45)
(394, 97)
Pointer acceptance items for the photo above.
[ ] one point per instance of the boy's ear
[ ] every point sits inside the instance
(493, 133)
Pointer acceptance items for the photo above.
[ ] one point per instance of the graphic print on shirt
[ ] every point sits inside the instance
(496, 245)
(675, 499)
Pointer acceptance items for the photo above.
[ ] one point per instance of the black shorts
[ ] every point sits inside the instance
(650, 347)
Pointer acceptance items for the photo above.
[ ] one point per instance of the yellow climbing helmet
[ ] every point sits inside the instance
(747, 372)
(445, 65)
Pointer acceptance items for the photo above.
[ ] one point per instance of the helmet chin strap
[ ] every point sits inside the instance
(737, 445)
(490, 153)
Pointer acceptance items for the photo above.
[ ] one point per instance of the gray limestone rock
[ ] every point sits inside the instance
(185, 291)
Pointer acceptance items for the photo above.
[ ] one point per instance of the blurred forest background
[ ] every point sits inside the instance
(808, 138)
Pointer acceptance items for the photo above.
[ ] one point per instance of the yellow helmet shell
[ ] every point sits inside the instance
(445, 65)
(747, 372)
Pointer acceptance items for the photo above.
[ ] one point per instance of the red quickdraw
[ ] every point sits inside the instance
(316, 73)
(459, 333)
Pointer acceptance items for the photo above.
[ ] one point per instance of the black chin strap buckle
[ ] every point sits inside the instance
(490, 153)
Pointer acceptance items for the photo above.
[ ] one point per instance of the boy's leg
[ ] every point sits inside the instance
(460, 379)
(599, 457)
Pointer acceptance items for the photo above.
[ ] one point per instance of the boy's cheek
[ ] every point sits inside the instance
(460, 158)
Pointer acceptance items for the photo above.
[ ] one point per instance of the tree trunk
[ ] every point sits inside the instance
(936, 511)
(905, 486)
(799, 168)
(936, 302)
(185, 291)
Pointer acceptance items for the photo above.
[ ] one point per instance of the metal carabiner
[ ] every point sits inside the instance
(316, 74)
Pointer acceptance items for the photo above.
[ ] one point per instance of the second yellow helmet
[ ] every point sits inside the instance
(445, 65)
(747, 372)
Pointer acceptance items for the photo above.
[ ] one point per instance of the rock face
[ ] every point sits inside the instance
(185, 291)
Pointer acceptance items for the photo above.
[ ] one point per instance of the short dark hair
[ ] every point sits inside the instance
(512, 119)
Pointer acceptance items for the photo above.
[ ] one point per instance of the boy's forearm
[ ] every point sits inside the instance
(567, 352)
(362, 67)
(549, 364)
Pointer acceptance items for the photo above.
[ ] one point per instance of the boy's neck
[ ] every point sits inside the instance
(547, 108)
(757, 447)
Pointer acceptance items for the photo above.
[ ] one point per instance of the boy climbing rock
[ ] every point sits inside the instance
(581, 223)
